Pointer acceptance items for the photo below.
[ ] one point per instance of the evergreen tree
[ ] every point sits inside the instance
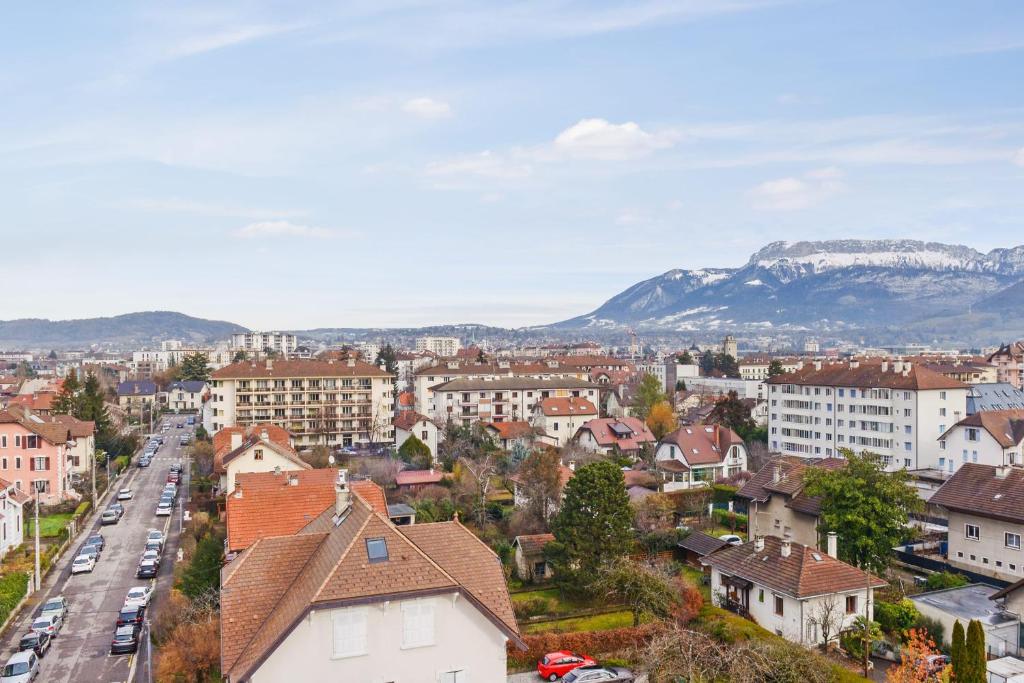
(732, 413)
(974, 667)
(66, 401)
(648, 393)
(727, 365)
(91, 406)
(203, 572)
(387, 356)
(416, 453)
(195, 367)
(238, 357)
(957, 651)
(684, 358)
(775, 368)
(593, 528)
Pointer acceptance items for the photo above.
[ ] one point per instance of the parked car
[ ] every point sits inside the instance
(126, 640)
(125, 494)
(109, 517)
(37, 642)
(56, 606)
(97, 540)
(731, 539)
(164, 509)
(22, 667)
(49, 624)
(139, 595)
(554, 665)
(82, 564)
(176, 467)
(155, 535)
(599, 674)
(144, 461)
(155, 546)
(131, 614)
(173, 477)
(91, 551)
(147, 570)
(116, 507)
(151, 555)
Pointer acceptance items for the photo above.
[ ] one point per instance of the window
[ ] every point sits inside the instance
(907, 429)
(760, 595)
(40, 463)
(349, 632)
(942, 412)
(3, 441)
(779, 605)
(17, 440)
(851, 604)
(908, 446)
(17, 462)
(417, 623)
(972, 531)
(377, 550)
(942, 395)
(972, 434)
(258, 454)
(1012, 541)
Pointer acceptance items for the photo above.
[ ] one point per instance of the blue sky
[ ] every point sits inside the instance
(392, 163)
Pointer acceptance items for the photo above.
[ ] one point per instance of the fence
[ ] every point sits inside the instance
(907, 555)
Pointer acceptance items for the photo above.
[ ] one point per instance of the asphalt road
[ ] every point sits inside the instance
(80, 653)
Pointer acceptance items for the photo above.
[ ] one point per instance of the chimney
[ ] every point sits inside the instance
(238, 492)
(833, 541)
(270, 364)
(758, 543)
(264, 436)
(236, 440)
(885, 366)
(293, 480)
(342, 496)
(786, 547)
(1002, 471)
(776, 473)
(351, 362)
(277, 470)
(572, 465)
(817, 365)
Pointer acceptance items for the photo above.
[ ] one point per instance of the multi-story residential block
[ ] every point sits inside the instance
(790, 588)
(697, 455)
(335, 403)
(986, 519)
(991, 437)
(502, 399)
(34, 455)
(442, 346)
(264, 342)
(895, 409)
(561, 417)
(1009, 362)
(755, 368)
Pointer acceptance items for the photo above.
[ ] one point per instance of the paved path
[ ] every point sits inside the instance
(80, 654)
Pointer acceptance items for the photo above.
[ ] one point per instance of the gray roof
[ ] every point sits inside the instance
(966, 603)
(510, 383)
(192, 386)
(136, 388)
(701, 543)
(400, 510)
(994, 396)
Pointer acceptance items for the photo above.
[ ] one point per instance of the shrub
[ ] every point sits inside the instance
(733, 520)
(657, 541)
(722, 493)
(689, 604)
(82, 508)
(934, 627)
(594, 643)
(943, 580)
(12, 589)
(533, 607)
(896, 617)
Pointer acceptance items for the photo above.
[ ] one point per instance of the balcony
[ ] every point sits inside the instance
(735, 607)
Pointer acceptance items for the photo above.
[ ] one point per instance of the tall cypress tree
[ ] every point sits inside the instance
(957, 651)
(91, 405)
(974, 654)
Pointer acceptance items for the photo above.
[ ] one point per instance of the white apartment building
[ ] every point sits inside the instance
(264, 342)
(755, 368)
(503, 399)
(335, 403)
(442, 346)
(895, 409)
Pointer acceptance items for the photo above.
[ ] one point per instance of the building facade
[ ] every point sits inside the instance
(280, 343)
(466, 401)
(442, 346)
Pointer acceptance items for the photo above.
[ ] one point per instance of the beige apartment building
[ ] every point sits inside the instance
(334, 403)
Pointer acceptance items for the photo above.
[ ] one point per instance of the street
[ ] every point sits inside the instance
(81, 650)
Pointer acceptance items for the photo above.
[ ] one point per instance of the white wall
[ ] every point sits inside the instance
(247, 462)
(957, 450)
(989, 554)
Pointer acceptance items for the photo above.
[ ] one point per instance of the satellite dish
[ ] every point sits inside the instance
(330, 459)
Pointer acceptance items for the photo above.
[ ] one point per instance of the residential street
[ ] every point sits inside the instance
(81, 650)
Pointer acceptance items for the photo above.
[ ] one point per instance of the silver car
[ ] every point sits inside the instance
(22, 667)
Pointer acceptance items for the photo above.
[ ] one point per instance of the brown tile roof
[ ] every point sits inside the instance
(515, 429)
(53, 432)
(297, 368)
(254, 441)
(513, 383)
(371, 493)
(605, 436)
(78, 428)
(978, 490)
(35, 401)
(570, 405)
(703, 444)
(868, 375)
(407, 419)
(222, 439)
(413, 477)
(790, 484)
(702, 544)
(804, 574)
(533, 544)
(1005, 426)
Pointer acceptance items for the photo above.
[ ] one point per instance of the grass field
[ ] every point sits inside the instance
(596, 622)
(49, 526)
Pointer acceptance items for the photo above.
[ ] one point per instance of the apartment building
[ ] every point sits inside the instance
(502, 399)
(34, 454)
(755, 368)
(991, 437)
(335, 403)
(442, 346)
(264, 342)
(895, 409)
(1009, 362)
(560, 418)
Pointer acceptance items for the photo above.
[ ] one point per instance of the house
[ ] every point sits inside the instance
(973, 602)
(366, 600)
(134, 394)
(994, 396)
(409, 423)
(986, 519)
(82, 447)
(469, 400)
(791, 589)
(518, 434)
(896, 409)
(627, 436)
(281, 503)
(12, 516)
(254, 451)
(529, 557)
(1009, 362)
(414, 480)
(561, 417)
(991, 437)
(699, 545)
(777, 504)
(620, 399)
(186, 396)
(1005, 670)
(34, 454)
(40, 403)
(697, 455)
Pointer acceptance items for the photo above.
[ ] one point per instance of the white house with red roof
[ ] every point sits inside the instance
(561, 417)
(697, 455)
(411, 423)
(610, 435)
(12, 517)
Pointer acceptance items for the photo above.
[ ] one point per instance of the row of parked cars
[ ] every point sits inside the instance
(23, 666)
(576, 668)
(165, 507)
(132, 616)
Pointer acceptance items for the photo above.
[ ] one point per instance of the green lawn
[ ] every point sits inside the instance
(49, 526)
(596, 622)
(696, 577)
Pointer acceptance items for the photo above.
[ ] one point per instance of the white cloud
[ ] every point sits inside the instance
(226, 37)
(427, 108)
(178, 205)
(793, 194)
(486, 164)
(1018, 158)
(282, 229)
(599, 139)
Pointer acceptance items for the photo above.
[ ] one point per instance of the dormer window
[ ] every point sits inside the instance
(376, 550)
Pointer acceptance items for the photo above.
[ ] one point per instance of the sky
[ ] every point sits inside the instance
(403, 163)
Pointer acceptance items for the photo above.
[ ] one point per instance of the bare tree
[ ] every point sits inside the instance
(828, 617)
(480, 472)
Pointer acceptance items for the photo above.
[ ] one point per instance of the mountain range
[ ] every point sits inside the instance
(129, 330)
(840, 286)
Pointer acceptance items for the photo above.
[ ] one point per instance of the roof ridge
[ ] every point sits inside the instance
(343, 555)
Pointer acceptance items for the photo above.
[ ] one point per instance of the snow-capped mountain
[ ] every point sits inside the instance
(831, 285)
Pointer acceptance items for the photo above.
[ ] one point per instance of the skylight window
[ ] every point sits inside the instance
(377, 550)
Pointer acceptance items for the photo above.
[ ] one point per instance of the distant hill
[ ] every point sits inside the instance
(129, 329)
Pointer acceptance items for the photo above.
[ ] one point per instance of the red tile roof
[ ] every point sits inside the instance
(297, 368)
(516, 429)
(414, 477)
(606, 437)
(533, 544)
(1005, 426)
(408, 419)
(703, 444)
(867, 375)
(571, 405)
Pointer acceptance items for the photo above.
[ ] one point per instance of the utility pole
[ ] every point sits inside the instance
(38, 580)
(92, 470)
(149, 654)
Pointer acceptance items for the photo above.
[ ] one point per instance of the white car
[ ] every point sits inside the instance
(48, 624)
(731, 539)
(22, 667)
(125, 494)
(151, 555)
(164, 509)
(138, 596)
(82, 564)
(154, 535)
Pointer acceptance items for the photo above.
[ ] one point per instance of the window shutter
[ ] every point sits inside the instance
(31, 465)
(47, 462)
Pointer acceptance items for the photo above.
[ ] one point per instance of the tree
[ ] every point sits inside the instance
(202, 453)
(775, 368)
(239, 357)
(203, 572)
(727, 365)
(655, 512)
(66, 401)
(318, 457)
(593, 526)
(684, 358)
(91, 405)
(387, 356)
(732, 413)
(540, 480)
(52, 355)
(195, 367)
(867, 506)
(661, 419)
(478, 474)
(680, 385)
(640, 588)
(829, 616)
(416, 453)
(957, 651)
(915, 666)
(191, 653)
(648, 393)
(974, 667)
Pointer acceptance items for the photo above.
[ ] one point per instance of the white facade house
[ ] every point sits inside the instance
(256, 453)
(186, 395)
(560, 418)
(697, 455)
(895, 409)
(410, 423)
(469, 400)
(442, 346)
(12, 517)
(994, 437)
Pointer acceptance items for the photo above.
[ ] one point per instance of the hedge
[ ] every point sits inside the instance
(727, 519)
(610, 642)
(13, 587)
(123, 462)
(82, 508)
(723, 493)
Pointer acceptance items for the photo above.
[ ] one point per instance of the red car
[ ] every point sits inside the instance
(554, 665)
